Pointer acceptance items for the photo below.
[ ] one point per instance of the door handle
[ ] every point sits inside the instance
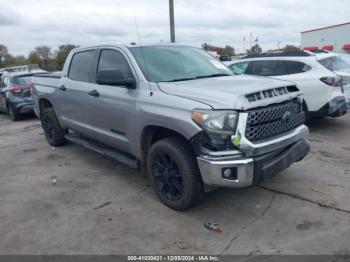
(62, 88)
(94, 93)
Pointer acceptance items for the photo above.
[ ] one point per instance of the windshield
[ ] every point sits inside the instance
(177, 63)
(335, 63)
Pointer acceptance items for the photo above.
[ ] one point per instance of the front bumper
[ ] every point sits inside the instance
(253, 161)
(249, 171)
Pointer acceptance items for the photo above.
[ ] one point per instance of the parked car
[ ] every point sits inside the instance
(225, 58)
(323, 90)
(339, 64)
(176, 113)
(15, 94)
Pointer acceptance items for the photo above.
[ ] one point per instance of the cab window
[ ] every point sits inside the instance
(114, 60)
(80, 66)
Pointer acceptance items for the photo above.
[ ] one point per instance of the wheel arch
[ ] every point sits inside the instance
(43, 104)
(150, 135)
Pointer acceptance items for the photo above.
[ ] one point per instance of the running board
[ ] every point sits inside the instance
(103, 150)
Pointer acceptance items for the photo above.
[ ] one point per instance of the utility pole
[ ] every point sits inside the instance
(172, 24)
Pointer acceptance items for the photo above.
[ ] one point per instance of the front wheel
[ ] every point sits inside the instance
(174, 173)
(53, 131)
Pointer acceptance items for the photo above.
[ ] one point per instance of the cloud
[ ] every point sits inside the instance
(8, 16)
(88, 22)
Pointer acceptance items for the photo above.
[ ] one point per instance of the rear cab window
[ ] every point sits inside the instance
(80, 66)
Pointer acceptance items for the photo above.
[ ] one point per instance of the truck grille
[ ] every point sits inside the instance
(274, 120)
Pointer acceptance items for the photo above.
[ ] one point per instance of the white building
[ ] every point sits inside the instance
(334, 38)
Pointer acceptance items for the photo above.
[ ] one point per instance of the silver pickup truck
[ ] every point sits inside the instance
(177, 114)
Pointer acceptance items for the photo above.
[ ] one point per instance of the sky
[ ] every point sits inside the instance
(25, 24)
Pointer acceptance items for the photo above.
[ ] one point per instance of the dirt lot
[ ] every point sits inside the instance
(70, 200)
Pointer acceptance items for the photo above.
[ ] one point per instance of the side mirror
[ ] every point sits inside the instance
(114, 78)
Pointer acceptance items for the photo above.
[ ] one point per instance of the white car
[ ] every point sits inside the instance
(316, 75)
(339, 64)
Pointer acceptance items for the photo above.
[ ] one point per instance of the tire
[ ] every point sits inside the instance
(174, 173)
(13, 115)
(53, 131)
(306, 111)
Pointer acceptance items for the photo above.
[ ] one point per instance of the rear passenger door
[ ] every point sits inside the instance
(113, 110)
(74, 101)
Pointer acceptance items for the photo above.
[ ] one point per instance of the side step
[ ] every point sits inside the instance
(103, 150)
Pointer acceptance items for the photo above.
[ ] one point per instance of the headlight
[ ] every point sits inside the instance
(221, 122)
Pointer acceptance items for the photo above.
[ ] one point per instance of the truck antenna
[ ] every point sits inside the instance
(143, 55)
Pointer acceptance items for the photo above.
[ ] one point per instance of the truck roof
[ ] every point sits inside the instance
(127, 46)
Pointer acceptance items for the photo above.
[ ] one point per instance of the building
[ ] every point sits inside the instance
(334, 38)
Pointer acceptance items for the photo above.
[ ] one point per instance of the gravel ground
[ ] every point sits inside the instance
(69, 200)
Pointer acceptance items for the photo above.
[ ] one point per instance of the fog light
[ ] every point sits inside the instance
(229, 173)
(226, 172)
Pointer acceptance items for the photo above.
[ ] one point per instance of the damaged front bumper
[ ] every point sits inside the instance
(253, 161)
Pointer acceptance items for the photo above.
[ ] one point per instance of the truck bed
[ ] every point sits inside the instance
(47, 79)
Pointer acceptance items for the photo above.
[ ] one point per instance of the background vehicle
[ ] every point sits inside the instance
(339, 64)
(322, 89)
(176, 113)
(15, 94)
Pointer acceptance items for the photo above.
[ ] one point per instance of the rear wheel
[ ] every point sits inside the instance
(53, 131)
(174, 173)
(13, 115)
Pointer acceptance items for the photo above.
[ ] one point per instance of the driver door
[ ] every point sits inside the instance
(113, 109)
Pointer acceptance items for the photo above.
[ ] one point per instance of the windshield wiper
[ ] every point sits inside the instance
(180, 79)
(196, 77)
(213, 75)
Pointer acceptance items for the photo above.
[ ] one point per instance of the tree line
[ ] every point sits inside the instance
(256, 48)
(47, 58)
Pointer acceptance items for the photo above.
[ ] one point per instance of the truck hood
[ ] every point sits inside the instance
(228, 92)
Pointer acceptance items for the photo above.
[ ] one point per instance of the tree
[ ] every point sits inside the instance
(62, 53)
(290, 48)
(3, 53)
(44, 53)
(34, 58)
(227, 50)
(254, 49)
(8, 60)
(20, 60)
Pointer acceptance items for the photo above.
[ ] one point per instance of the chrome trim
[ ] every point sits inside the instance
(211, 172)
(267, 145)
(221, 153)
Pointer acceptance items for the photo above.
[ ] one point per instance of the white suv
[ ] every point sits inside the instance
(316, 75)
